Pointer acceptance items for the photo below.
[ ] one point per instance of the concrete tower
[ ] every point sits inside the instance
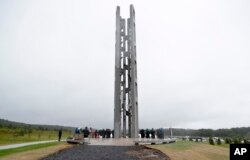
(126, 101)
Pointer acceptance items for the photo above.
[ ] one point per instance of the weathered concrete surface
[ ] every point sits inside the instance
(154, 141)
(112, 142)
(126, 95)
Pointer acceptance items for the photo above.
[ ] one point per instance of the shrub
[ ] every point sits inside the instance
(236, 141)
(218, 141)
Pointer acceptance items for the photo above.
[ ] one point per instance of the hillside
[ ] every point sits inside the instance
(11, 124)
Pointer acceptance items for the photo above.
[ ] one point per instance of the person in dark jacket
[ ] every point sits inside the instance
(147, 133)
(59, 135)
(142, 133)
(86, 132)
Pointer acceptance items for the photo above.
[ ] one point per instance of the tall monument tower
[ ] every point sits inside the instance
(126, 101)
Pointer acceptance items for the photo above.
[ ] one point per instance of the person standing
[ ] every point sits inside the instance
(59, 135)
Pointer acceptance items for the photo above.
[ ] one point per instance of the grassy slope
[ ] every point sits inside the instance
(8, 136)
(26, 148)
(185, 150)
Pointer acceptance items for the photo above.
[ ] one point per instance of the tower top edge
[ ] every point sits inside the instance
(118, 10)
(132, 6)
(132, 11)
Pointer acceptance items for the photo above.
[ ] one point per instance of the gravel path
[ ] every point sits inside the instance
(91, 152)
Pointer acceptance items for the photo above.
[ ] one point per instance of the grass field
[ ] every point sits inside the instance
(6, 152)
(12, 136)
(35, 152)
(186, 150)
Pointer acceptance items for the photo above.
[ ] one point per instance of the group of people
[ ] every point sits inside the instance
(147, 132)
(106, 133)
(85, 132)
(94, 133)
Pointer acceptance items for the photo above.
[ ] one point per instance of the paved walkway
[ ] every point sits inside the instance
(23, 144)
(112, 142)
(127, 141)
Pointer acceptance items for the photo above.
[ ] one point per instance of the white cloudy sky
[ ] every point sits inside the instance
(57, 62)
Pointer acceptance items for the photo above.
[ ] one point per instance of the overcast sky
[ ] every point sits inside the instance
(57, 62)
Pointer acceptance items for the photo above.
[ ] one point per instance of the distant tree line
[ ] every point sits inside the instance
(29, 127)
(243, 132)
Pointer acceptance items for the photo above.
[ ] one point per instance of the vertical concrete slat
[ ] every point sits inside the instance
(117, 92)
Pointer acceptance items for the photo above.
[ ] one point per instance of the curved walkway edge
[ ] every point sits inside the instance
(24, 144)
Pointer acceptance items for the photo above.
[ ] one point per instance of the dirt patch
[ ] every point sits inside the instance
(38, 153)
(146, 153)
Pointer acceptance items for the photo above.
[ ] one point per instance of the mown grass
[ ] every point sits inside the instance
(186, 150)
(181, 145)
(224, 145)
(13, 136)
(6, 152)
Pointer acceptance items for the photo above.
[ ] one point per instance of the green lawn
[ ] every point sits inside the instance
(186, 150)
(184, 145)
(13, 136)
(26, 148)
